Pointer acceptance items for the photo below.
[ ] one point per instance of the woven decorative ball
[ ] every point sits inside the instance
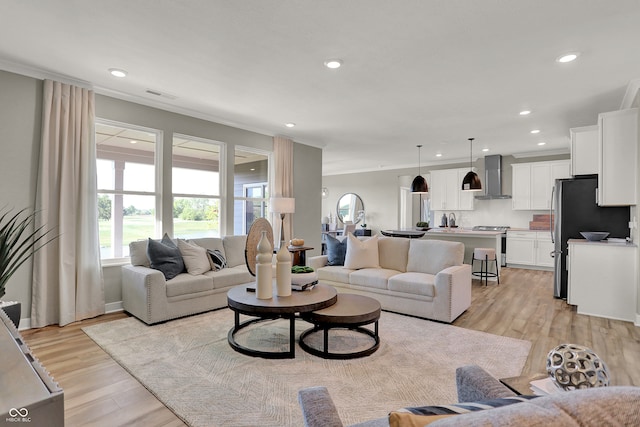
(572, 366)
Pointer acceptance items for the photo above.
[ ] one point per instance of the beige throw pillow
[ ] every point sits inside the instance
(361, 253)
(195, 257)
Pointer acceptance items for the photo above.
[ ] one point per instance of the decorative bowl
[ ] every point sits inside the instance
(594, 236)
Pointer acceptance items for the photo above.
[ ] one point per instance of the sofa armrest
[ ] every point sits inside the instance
(453, 287)
(475, 384)
(318, 409)
(318, 261)
(141, 288)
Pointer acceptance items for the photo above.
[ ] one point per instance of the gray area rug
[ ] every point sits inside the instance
(188, 364)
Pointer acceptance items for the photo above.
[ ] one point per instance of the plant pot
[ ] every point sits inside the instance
(13, 310)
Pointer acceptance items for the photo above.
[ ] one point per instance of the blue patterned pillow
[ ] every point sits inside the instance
(217, 260)
(423, 415)
(165, 256)
(336, 250)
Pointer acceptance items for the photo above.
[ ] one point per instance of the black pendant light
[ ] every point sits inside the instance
(471, 181)
(419, 184)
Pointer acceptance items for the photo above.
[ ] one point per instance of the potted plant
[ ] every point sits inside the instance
(17, 244)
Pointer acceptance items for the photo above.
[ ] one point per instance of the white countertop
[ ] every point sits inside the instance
(462, 232)
(604, 242)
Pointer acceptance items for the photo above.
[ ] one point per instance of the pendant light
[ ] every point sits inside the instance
(419, 184)
(471, 181)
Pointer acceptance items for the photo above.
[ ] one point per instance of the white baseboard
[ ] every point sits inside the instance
(111, 307)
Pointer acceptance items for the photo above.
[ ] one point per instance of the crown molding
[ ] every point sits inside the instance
(40, 74)
(633, 88)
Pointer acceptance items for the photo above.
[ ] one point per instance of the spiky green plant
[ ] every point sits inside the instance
(18, 243)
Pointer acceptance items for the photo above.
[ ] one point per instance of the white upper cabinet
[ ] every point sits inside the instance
(617, 163)
(446, 190)
(533, 183)
(584, 150)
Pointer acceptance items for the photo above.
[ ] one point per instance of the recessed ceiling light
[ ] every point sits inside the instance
(290, 125)
(438, 155)
(535, 131)
(525, 112)
(252, 169)
(133, 141)
(333, 63)
(485, 149)
(542, 143)
(568, 57)
(117, 72)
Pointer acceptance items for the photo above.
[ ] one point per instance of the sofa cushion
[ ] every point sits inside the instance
(185, 284)
(393, 253)
(165, 257)
(433, 256)
(195, 257)
(414, 283)
(336, 250)
(372, 277)
(334, 273)
(211, 243)
(424, 415)
(230, 276)
(234, 249)
(216, 259)
(361, 253)
(138, 253)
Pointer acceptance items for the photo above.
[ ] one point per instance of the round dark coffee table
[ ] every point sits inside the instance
(349, 312)
(245, 302)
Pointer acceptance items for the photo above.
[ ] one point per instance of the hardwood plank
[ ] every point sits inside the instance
(99, 392)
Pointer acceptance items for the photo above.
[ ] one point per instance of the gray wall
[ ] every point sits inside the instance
(20, 123)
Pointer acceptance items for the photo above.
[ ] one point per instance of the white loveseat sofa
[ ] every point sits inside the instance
(424, 278)
(147, 295)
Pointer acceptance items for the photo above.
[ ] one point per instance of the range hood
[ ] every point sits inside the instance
(492, 179)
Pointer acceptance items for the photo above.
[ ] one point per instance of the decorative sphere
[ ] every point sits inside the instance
(572, 366)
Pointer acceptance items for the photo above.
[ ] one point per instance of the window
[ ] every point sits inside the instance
(250, 188)
(127, 191)
(196, 187)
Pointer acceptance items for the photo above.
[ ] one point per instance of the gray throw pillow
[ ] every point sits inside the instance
(336, 250)
(165, 257)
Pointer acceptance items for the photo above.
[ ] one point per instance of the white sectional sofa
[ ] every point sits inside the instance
(147, 295)
(424, 278)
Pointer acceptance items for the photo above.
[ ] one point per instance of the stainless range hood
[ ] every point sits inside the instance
(493, 179)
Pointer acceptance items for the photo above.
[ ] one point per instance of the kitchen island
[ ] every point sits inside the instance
(471, 239)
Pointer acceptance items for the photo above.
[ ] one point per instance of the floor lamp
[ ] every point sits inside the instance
(282, 206)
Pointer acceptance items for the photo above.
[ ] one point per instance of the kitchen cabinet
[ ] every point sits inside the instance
(602, 279)
(617, 163)
(529, 248)
(446, 190)
(584, 150)
(532, 183)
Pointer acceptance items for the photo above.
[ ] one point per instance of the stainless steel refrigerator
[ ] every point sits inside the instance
(575, 209)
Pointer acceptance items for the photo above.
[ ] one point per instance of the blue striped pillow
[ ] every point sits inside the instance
(423, 415)
(217, 260)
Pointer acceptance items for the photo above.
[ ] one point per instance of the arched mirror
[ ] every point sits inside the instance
(350, 208)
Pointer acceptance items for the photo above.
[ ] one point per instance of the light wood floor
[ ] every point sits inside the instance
(99, 392)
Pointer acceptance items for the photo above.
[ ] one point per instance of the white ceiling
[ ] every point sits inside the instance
(415, 71)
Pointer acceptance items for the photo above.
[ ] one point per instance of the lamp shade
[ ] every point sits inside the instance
(471, 182)
(419, 185)
(282, 205)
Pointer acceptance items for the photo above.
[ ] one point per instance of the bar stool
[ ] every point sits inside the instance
(484, 255)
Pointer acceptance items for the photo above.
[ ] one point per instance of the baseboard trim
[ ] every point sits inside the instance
(111, 307)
